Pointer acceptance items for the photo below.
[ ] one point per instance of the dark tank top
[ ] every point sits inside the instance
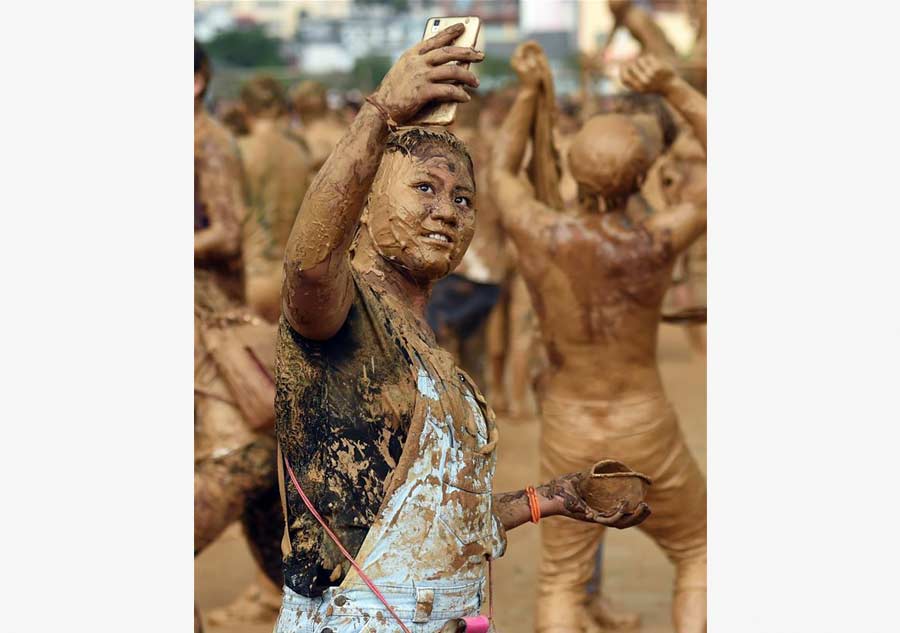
(341, 420)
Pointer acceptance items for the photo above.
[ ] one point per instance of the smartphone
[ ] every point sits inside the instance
(444, 113)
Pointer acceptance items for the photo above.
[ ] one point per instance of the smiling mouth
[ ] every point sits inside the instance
(439, 237)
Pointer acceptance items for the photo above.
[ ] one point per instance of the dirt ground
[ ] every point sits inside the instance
(637, 575)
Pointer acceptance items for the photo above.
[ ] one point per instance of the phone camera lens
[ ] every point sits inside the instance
(437, 22)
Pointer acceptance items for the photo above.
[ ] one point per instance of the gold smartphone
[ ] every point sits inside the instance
(444, 113)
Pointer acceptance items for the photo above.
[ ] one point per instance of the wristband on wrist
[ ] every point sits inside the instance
(533, 504)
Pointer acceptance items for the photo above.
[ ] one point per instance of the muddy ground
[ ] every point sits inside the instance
(637, 574)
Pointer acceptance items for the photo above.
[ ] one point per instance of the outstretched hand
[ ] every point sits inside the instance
(575, 507)
(647, 74)
(421, 74)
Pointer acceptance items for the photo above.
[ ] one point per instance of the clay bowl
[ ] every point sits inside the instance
(608, 483)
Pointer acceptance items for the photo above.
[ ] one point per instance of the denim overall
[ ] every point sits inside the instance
(427, 550)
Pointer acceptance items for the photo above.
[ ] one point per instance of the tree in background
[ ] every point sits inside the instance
(495, 68)
(368, 71)
(398, 6)
(245, 46)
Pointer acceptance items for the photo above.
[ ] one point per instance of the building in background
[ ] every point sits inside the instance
(326, 38)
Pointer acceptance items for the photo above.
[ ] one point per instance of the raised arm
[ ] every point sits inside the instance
(642, 26)
(520, 211)
(648, 74)
(682, 223)
(318, 289)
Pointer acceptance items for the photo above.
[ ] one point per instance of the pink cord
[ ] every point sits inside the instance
(362, 574)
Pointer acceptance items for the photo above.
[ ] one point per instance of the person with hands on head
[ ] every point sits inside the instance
(648, 74)
(597, 278)
(386, 448)
(680, 178)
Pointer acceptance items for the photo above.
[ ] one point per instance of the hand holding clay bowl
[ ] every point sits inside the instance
(609, 484)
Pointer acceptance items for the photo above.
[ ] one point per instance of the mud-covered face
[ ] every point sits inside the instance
(421, 212)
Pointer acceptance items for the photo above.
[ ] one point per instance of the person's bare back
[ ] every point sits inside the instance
(606, 328)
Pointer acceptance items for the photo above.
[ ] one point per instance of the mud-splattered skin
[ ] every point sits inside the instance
(597, 279)
(358, 370)
(607, 327)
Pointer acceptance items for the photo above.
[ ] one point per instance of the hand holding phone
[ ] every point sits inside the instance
(444, 113)
(419, 78)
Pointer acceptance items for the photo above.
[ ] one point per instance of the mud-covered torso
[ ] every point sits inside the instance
(344, 409)
(589, 284)
(598, 292)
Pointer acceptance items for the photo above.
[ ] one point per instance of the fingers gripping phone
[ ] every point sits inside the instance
(444, 113)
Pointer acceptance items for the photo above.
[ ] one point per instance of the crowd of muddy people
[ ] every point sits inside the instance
(377, 302)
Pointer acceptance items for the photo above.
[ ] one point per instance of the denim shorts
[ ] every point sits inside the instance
(423, 609)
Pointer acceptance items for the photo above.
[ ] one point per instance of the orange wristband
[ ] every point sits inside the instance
(533, 504)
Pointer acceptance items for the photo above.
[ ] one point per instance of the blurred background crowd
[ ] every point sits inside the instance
(287, 79)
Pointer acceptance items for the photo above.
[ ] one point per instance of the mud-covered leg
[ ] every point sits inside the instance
(678, 525)
(495, 344)
(520, 355)
(607, 614)
(568, 550)
(689, 601)
(198, 621)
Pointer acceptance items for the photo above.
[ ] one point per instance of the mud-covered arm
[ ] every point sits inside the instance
(690, 103)
(559, 498)
(318, 289)
(644, 29)
(679, 225)
(521, 214)
(649, 74)
(682, 223)
(221, 186)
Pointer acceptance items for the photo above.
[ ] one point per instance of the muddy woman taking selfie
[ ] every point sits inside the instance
(387, 450)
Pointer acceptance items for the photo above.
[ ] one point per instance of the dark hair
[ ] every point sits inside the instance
(264, 95)
(637, 103)
(202, 65)
(424, 143)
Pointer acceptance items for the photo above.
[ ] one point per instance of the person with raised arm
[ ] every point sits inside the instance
(386, 448)
(597, 278)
